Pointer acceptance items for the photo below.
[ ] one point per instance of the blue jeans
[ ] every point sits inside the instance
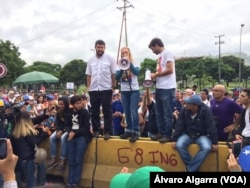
(164, 110)
(130, 103)
(76, 149)
(41, 174)
(193, 163)
(53, 143)
(29, 168)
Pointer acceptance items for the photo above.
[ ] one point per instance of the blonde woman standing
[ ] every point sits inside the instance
(24, 138)
(130, 96)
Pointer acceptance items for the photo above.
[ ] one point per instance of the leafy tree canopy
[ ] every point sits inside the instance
(10, 57)
(53, 69)
(74, 71)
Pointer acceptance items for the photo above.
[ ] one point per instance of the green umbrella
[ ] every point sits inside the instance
(36, 77)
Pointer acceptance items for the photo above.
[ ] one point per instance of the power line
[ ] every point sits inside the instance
(66, 25)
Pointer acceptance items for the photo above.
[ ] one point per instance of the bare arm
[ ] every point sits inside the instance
(149, 100)
(123, 122)
(88, 80)
(113, 80)
(169, 70)
(237, 120)
(7, 165)
(236, 123)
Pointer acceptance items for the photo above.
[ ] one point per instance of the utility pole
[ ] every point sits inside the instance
(126, 4)
(220, 42)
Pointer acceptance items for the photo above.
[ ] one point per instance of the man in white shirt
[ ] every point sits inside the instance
(100, 73)
(165, 77)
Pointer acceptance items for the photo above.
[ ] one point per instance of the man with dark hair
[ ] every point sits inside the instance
(99, 42)
(156, 42)
(205, 97)
(194, 89)
(243, 132)
(165, 90)
(100, 73)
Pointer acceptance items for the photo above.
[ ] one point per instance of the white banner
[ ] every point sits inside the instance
(70, 85)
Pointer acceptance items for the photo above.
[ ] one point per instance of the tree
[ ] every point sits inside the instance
(53, 69)
(74, 71)
(10, 57)
(230, 68)
(187, 68)
(246, 75)
(146, 64)
(206, 67)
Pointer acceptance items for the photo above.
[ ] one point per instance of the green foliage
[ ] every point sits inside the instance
(202, 67)
(10, 57)
(74, 71)
(146, 64)
(82, 89)
(53, 69)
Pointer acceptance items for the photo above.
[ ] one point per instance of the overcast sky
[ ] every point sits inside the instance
(58, 31)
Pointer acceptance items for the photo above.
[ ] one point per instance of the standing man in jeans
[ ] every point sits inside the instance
(165, 90)
(100, 73)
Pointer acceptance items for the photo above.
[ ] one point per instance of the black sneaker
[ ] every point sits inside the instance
(125, 135)
(106, 136)
(156, 137)
(133, 137)
(165, 139)
(96, 134)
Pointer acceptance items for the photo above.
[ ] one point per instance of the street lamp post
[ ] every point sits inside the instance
(241, 26)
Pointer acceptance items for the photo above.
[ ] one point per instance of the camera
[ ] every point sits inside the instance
(3, 148)
(236, 147)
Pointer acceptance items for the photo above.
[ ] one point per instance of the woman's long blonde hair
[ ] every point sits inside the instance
(130, 55)
(23, 125)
